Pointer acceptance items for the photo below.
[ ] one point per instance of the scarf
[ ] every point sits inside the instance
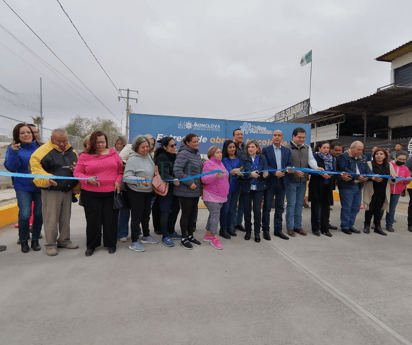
(327, 159)
(255, 167)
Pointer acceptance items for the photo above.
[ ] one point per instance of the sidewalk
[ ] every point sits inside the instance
(308, 290)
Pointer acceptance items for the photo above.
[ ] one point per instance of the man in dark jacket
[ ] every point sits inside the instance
(278, 157)
(240, 147)
(56, 158)
(350, 187)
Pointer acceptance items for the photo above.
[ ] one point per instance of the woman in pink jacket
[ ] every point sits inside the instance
(103, 169)
(216, 189)
(396, 189)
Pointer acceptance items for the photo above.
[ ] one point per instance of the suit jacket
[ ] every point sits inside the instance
(269, 154)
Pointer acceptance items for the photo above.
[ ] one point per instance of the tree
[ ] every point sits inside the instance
(36, 120)
(82, 127)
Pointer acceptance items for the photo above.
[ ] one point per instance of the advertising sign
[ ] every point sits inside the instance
(210, 131)
(294, 112)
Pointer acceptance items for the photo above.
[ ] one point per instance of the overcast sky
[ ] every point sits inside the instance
(218, 59)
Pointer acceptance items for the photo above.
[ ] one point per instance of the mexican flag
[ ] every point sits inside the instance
(305, 59)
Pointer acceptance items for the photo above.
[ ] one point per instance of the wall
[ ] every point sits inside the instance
(399, 62)
(401, 120)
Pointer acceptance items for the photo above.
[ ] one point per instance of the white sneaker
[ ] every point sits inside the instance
(137, 247)
(123, 239)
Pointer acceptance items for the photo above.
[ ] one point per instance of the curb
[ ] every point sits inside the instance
(8, 214)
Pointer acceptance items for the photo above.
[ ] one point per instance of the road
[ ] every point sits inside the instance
(308, 290)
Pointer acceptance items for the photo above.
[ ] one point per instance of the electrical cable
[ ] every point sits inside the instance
(60, 60)
(86, 104)
(117, 90)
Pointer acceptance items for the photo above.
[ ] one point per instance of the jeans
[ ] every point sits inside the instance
(24, 200)
(350, 199)
(228, 211)
(169, 209)
(240, 209)
(295, 195)
(279, 190)
(390, 216)
(256, 197)
(123, 223)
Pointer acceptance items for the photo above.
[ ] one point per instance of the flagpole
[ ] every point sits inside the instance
(310, 85)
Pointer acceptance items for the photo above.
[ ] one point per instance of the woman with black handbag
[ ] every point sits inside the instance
(165, 157)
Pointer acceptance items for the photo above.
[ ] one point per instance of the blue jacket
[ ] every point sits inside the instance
(231, 164)
(348, 164)
(246, 180)
(269, 154)
(18, 161)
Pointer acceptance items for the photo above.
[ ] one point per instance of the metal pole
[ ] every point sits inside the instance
(41, 111)
(365, 123)
(127, 117)
(310, 86)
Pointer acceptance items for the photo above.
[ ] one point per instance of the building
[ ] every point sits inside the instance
(384, 118)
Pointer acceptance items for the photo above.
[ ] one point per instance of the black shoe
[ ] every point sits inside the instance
(331, 227)
(379, 231)
(347, 231)
(266, 235)
(257, 237)
(2, 248)
(316, 233)
(367, 229)
(247, 235)
(410, 228)
(194, 241)
(390, 229)
(354, 231)
(25, 247)
(112, 250)
(186, 244)
(240, 227)
(35, 246)
(326, 233)
(281, 235)
(224, 234)
(232, 232)
(89, 252)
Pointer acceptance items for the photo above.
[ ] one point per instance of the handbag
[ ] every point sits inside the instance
(160, 187)
(121, 201)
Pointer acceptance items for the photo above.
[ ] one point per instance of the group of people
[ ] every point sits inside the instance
(139, 180)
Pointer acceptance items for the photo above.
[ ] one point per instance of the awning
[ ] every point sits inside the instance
(383, 101)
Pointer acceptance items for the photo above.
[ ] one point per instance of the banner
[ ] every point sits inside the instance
(210, 131)
(294, 112)
(305, 59)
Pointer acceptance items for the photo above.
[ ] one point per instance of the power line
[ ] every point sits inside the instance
(50, 67)
(117, 90)
(60, 60)
(86, 104)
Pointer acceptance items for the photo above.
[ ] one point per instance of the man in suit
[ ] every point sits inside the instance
(278, 157)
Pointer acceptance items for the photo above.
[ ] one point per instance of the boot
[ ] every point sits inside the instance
(224, 234)
(247, 235)
(25, 247)
(378, 230)
(35, 246)
(366, 229)
(232, 232)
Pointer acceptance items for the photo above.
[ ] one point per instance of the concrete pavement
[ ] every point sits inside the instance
(308, 290)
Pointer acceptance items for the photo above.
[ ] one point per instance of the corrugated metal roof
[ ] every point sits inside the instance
(397, 52)
(382, 101)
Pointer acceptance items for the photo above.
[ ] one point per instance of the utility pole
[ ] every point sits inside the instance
(128, 109)
(41, 111)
